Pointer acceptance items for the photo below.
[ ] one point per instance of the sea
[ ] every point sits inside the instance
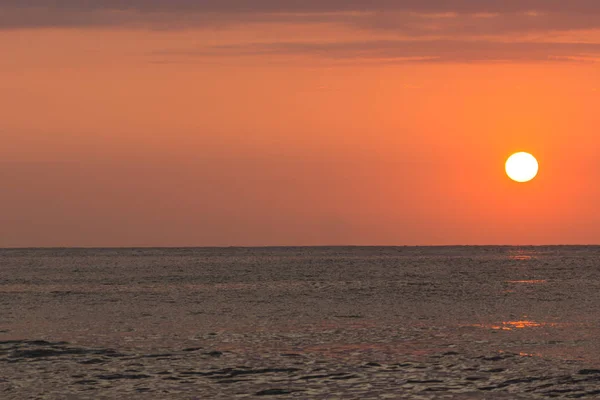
(300, 323)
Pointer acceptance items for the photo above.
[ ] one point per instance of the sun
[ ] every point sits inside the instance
(521, 167)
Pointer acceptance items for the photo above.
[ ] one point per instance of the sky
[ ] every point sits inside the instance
(317, 122)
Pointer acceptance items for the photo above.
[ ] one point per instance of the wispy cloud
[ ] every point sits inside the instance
(276, 6)
(409, 51)
(441, 30)
(44, 13)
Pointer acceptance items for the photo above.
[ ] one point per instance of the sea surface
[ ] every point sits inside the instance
(302, 323)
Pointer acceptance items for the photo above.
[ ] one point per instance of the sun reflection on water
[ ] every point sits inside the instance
(512, 325)
(523, 254)
(520, 257)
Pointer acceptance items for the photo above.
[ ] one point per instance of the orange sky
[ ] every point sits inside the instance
(174, 124)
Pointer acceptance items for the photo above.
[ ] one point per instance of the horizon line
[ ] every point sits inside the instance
(285, 246)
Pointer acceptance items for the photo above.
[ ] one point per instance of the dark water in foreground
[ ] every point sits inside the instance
(308, 323)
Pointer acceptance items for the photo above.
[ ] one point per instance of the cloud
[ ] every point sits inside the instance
(403, 18)
(411, 51)
(312, 6)
(174, 13)
(440, 30)
(476, 24)
(406, 16)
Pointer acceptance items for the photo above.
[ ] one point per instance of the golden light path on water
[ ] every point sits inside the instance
(517, 324)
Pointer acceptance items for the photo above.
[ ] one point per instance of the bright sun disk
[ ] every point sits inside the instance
(521, 167)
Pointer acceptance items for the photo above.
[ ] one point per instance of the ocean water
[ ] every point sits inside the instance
(305, 323)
